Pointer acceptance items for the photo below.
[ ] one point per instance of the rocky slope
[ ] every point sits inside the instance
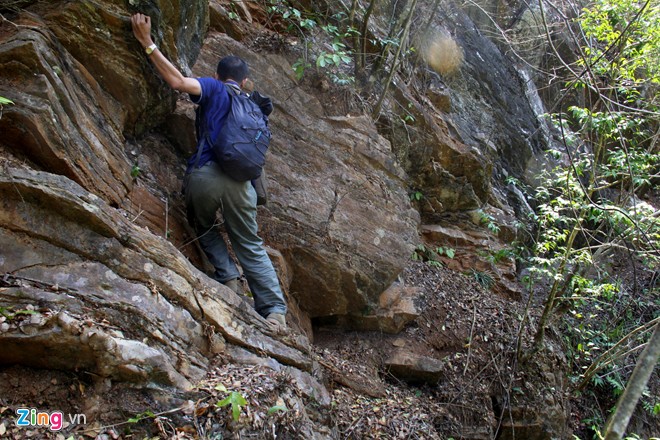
(101, 277)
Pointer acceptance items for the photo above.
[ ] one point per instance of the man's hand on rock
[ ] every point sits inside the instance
(142, 29)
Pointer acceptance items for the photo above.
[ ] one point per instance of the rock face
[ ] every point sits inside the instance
(328, 183)
(477, 252)
(138, 308)
(98, 271)
(326, 232)
(92, 223)
(86, 211)
(463, 131)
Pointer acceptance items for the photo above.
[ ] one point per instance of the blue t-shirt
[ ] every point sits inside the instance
(214, 105)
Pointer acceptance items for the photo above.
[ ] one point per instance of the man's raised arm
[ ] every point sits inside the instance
(142, 30)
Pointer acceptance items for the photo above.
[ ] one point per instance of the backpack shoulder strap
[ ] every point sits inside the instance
(233, 90)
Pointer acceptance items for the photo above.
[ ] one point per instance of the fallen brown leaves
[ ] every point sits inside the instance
(398, 415)
(274, 408)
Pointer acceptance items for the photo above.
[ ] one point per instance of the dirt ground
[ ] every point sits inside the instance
(482, 394)
(461, 324)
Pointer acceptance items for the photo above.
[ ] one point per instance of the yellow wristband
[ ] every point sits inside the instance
(149, 50)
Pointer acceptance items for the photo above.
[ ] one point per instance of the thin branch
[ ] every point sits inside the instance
(474, 318)
(608, 355)
(395, 62)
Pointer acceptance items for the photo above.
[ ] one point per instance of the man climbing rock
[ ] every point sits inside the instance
(208, 189)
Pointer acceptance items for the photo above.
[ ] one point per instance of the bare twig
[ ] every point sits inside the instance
(103, 428)
(474, 318)
(606, 357)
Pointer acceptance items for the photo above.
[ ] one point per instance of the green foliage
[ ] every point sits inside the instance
(336, 57)
(589, 207)
(232, 12)
(142, 416)
(621, 156)
(277, 408)
(430, 256)
(484, 279)
(488, 220)
(625, 41)
(499, 255)
(387, 41)
(8, 313)
(603, 335)
(449, 252)
(4, 101)
(416, 196)
(594, 422)
(292, 16)
(407, 117)
(299, 68)
(576, 234)
(237, 402)
(135, 171)
(420, 253)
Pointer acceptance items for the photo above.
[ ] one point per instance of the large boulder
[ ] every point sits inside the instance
(81, 85)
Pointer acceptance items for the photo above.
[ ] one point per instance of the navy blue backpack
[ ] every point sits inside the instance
(241, 146)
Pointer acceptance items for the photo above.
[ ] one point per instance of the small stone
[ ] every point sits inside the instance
(188, 408)
(28, 329)
(37, 319)
(4, 327)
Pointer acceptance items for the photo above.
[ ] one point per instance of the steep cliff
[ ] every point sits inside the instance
(100, 273)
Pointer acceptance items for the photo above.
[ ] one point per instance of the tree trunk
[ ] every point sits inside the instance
(625, 407)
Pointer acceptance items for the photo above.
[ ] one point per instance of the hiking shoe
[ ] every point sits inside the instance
(234, 285)
(277, 321)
